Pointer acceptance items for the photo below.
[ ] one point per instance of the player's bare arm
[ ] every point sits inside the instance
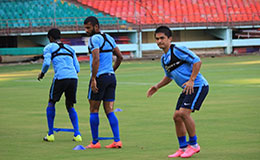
(119, 58)
(163, 82)
(95, 65)
(188, 86)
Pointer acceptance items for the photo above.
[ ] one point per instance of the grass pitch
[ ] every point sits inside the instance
(227, 125)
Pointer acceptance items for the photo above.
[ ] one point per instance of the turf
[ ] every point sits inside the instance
(227, 126)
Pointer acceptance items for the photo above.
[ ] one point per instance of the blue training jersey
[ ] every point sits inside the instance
(64, 66)
(105, 58)
(182, 73)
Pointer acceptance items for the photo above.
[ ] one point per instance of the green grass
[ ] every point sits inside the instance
(227, 126)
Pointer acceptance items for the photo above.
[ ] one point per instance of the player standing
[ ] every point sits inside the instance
(102, 83)
(66, 67)
(182, 65)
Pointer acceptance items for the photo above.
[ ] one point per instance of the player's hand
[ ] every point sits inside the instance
(151, 91)
(94, 85)
(188, 87)
(40, 76)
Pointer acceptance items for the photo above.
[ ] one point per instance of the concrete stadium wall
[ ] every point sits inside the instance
(193, 38)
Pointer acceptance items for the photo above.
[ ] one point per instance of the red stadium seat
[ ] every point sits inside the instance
(178, 11)
(106, 6)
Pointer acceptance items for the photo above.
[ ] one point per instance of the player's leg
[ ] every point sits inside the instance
(56, 91)
(94, 123)
(50, 113)
(108, 104)
(70, 94)
(191, 103)
(94, 103)
(190, 126)
(180, 129)
(113, 121)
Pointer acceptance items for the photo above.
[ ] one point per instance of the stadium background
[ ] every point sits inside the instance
(228, 124)
(206, 26)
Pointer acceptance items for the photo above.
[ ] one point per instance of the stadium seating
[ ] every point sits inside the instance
(178, 11)
(35, 13)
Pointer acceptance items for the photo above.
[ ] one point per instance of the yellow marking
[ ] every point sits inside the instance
(244, 81)
(234, 63)
(5, 79)
(248, 62)
(22, 74)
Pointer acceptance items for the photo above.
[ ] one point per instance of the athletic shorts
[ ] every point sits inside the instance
(67, 86)
(106, 84)
(193, 101)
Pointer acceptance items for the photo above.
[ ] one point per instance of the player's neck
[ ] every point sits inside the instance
(166, 49)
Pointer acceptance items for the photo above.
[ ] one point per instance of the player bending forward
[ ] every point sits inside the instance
(182, 65)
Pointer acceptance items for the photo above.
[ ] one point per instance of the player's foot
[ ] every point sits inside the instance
(77, 138)
(190, 151)
(115, 145)
(178, 153)
(93, 146)
(49, 138)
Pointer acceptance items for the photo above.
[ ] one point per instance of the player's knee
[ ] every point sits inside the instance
(177, 117)
(184, 115)
(69, 105)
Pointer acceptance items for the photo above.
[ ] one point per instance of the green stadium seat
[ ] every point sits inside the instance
(27, 13)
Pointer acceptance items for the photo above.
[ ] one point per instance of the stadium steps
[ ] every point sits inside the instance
(34, 13)
(178, 11)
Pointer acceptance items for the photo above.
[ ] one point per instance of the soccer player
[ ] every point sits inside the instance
(66, 67)
(183, 66)
(102, 83)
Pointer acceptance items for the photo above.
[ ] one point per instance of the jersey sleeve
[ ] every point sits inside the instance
(183, 53)
(47, 59)
(95, 42)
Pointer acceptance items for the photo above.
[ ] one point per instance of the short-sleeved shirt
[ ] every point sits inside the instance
(105, 58)
(64, 66)
(182, 73)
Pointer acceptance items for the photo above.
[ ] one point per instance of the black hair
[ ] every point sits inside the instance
(93, 20)
(164, 29)
(54, 33)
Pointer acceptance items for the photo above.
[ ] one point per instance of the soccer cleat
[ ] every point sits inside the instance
(77, 138)
(49, 138)
(93, 146)
(190, 151)
(178, 153)
(115, 145)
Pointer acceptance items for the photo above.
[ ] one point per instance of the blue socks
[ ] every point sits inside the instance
(94, 123)
(74, 120)
(193, 140)
(50, 112)
(114, 125)
(182, 142)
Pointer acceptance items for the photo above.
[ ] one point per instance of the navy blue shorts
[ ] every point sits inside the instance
(193, 101)
(106, 84)
(67, 86)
